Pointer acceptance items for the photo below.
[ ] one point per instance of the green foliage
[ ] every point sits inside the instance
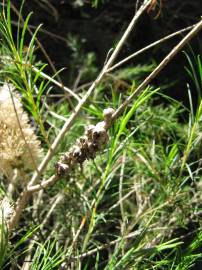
(194, 70)
(134, 72)
(95, 3)
(46, 256)
(17, 65)
(153, 142)
(13, 252)
(83, 66)
(185, 259)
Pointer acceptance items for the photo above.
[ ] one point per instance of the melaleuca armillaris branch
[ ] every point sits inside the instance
(25, 195)
(86, 147)
(81, 103)
(95, 137)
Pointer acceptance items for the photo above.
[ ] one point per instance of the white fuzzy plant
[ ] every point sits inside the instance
(17, 137)
(20, 149)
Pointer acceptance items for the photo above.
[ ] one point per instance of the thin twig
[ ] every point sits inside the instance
(123, 162)
(120, 201)
(157, 70)
(114, 242)
(83, 222)
(44, 31)
(57, 200)
(137, 53)
(43, 184)
(65, 88)
(153, 44)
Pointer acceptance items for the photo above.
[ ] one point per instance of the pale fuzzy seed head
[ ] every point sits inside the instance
(89, 131)
(107, 113)
(100, 135)
(14, 151)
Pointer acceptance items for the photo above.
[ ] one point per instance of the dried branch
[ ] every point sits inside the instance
(153, 44)
(156, 71)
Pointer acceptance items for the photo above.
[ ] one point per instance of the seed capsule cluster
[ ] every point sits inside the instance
(86, 147)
